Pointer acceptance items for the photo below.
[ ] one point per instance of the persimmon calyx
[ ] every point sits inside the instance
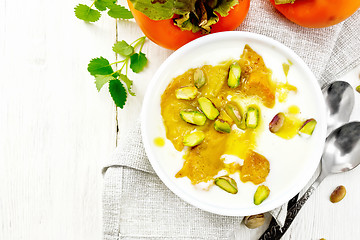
(278, 2)
(205, 14)
(191, 15)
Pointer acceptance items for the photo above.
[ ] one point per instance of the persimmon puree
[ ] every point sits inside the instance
(257, 77)
(255, 169)
(204, 161)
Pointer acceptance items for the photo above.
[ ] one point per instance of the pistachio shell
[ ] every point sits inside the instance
(254, 221)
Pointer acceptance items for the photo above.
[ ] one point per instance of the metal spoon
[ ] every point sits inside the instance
(341, 154)
(339, 98)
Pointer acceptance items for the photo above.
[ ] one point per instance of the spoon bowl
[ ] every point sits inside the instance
(339, 99)
(342, 149)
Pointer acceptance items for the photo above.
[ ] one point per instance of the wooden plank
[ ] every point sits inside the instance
(55, 128)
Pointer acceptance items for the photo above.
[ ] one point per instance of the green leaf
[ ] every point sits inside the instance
(102, 5)
(117, 11)
(123, 48)
(164, 9)
(225, 6)
(118, 93)
(100, 80)
(138, 62)
(87, 14)
(99, 66)
(128, 83)
(115, 74)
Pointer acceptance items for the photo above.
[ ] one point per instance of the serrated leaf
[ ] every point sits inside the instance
(138, 62)
(123, 48)
(115, 74)
(128, 83)
(100, 80)
(99, 66)
(102, 5)
(117, 11)
(118, 93)
(87, 14)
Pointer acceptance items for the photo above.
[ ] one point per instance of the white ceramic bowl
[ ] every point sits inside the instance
(298, 159)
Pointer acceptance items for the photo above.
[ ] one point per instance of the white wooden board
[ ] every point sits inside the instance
(56, 129)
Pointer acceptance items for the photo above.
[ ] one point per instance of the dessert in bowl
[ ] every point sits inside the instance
(234, 123)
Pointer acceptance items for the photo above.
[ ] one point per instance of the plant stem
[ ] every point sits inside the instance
(135, 41)
(142, 44)
(139, 41)
(125, 63)
(92, 4)
(126, 69)
(119, 71)
(118, 61)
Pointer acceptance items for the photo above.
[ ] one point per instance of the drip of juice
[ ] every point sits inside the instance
(159, 142)
(291, 124)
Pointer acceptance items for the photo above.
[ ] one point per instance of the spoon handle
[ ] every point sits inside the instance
(291, 214)
(275, 232)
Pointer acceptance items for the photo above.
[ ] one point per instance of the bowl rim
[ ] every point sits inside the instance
(298, 186)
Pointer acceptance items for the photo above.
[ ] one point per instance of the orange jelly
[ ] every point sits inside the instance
(256, 77)
(255, 169)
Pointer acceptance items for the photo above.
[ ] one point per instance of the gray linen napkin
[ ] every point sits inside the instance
(137, 205)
